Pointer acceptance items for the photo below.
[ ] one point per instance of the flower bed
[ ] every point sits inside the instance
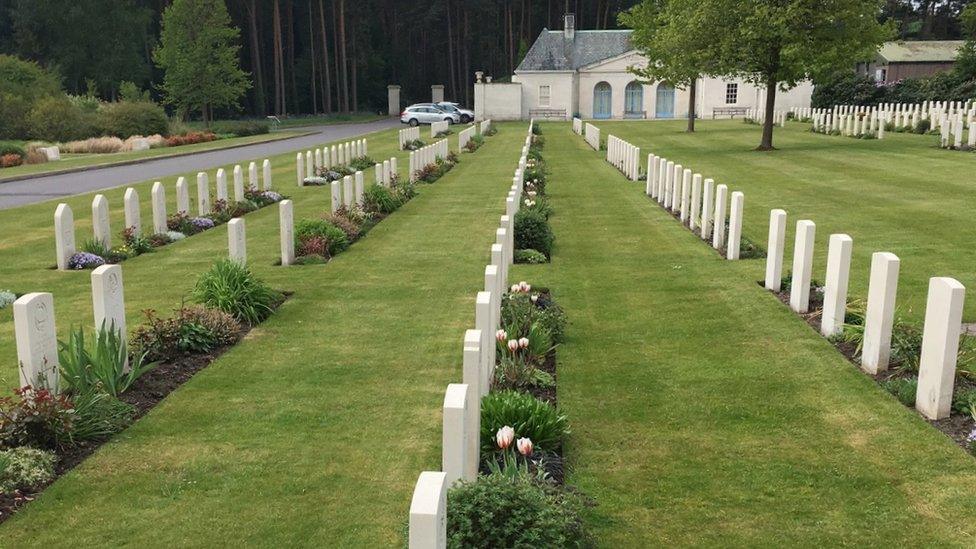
(533, 235)
(93, 253)
(44, 435)
(325, 176)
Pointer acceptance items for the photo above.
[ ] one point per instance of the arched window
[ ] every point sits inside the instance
(664, 107)
(634, 100)
(602, 96)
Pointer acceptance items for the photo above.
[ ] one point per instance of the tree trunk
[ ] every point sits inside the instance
(255, 47)
(342, 54)
(327, 87)
(450, 52)
(290, 17)
(767, 133)
(354, 68)
(279, 92)
(692, 104)
(336, 61)
(311, 45)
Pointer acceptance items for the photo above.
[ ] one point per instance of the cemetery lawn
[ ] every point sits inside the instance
(310, 432)
(74, 161)
(901, 194)
(703, 411)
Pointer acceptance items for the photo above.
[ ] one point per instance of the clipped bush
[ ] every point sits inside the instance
(241, 128)
(57, 119)
(529, 416)
(25, 468)
(379, 199)
(532, 231)
(127, 118)
(190, 330)
(495, 511)
(231, 287)
(335, 238)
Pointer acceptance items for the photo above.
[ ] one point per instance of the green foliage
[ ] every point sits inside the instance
(336, 238)
(98, 416)
(529, 416)
(530, 256)
(520, 314)
(127, 118)
(22, 84)
(902, 388)
(25, 468)
(7, 147)
(515, 371)
(241, 128)
(57, 119)
(846, 88)
(130, 91)
(361, 163)
(497, 512)
(191, 330)
(379, 199)
(532, 231)
(100, 367)
(964, 400)
(36, 418)
(198, 51)
(231, 287)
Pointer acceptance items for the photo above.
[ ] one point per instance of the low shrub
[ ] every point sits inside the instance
(516, 372)
(537, 203)
(495, 511)
(99, 415)
(361, 163)
(104, 366)
(128, 118)
(532, 231)
(903, 389)
(7, 298)
(231, 287)
(94, 145)
(524, 308)
(414, 145)
(964, 401)
(36, 418)
(35, 157)
(528, 416)
(922, 126)
(241, 128)
(190, 138)
(191, 330)
(7, 147)
(529, 256)
(85, 260)
(25, 468)
(57, 119)
(350, 221)
(11, 160)
(379, 199)
(335, 239)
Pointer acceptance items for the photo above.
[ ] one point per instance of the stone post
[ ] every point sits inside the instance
(336, 196)
(802, 265)
(252, 176)
(721, 202)
(676, 190)
(835, 287)
(347, 191)
(386, 173)
(695, 211)
(436, 93)
(454, 436)
(774, 259)
(708, 209)
(359, 188)
(100, 222)
(222, 185)
(159, 208)
(286, 220)
(880, 314)
(428, 512)
(393, 100)
(203, 193)
(685, 194)
(37, 341)
(940, 347)
(472, 376)
(482, 322)
(735, 226)
(133, 217)
(64, 235)
(237, 240)
(300, 169)
(266, 169)
(239, 183)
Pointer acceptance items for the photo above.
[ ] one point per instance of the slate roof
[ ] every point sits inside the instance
(928, 51)
(553, 52)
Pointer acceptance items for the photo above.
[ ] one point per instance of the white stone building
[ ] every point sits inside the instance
(584, 73)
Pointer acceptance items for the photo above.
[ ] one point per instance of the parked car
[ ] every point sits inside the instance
(426, 113)
(465, 115)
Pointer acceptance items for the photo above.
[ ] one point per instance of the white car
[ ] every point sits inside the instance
(464, 114)
(427, 113)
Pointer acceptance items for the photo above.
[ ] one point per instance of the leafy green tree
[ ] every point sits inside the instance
(198, 50)
(22, 84)
(965, 66)
(776, 44)
(671, 35)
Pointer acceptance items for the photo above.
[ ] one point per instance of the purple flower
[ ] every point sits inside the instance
(272, 196)
(85, 260)
(202, 223)
(972, 437)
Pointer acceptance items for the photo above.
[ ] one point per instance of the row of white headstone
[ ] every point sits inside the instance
(408, 135)
(758, 115)
(65, 243)
(577, 126)
(341, 154)
(385, 170)
(951, 130)
(870, 122)
(437, 128)
(624, 156)
(460, 439)
(484, 127)
(465, 135)
(426, 156)
(901, 114)
(349, 192)
(592, 136)
(943, 310)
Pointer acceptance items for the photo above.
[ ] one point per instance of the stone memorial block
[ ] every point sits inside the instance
(694, 214)
(37, 342)
(685, 194)
(428, 512)
(880, 314)
(802, 265)
(721, 203)
(378, 173)
(286, 221)
(359, 183)
(676, 187)
(347, 191)
(222, 185)
(159, 208)
(266, 169)
(454, 436)
(100, 222)
(237, 240)
(334, 156)
(393, 167)
(735, 226)
(300, 169)
(940, 347)
(64, 235)
(708, 208)
(133, 217)
(318, 158)
(239, 183)
(835, 285)
(482, 322)
(662, 169)
(775, 244)
(473, 366)
(252, 176)
(386, 173)
(203, 193)
(336, 196)
(309, 164)
(108, 298)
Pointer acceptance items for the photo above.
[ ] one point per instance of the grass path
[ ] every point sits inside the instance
(311, 431)
(900, 194)
(704, 412)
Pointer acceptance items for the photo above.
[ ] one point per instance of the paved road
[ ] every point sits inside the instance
(29, 191)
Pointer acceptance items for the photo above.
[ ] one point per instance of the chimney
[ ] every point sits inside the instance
(569, 26)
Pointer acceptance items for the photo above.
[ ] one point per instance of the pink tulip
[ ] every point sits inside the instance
(524, 446)
(523, 343)
(514, 288)
(524, 287)
(513, 345)
(501, 335)
(504, 437)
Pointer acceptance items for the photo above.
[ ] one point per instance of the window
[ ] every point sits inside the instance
(731, 93)
(543, 96)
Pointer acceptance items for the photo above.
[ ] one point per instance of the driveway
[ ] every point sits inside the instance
(28, 191)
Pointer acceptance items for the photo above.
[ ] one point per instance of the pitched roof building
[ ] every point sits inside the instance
(911, 59)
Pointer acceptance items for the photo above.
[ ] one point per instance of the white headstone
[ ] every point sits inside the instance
(473, 364)
(835, 286)
(100, 222)
(347, 191)
(708, 209)
(685, 194)
(300, 169)
(64, 235)
(454, 436)
(880, 315)
(428, 512)
(336, 196)
(237, 240)
(252, 176)
(37, 342)
(774, 258)
(130, 207)
(940, 347)
(696, 188)
(286, 219)
(386, 172)
(482, 322)
(238, 184)
(721, 202)
(108, 298)
(359, 183)
(203, 193)
(182, 196)
(735, 226)
(266, 168)
(159, 208)
(802, 265)
(222, 185)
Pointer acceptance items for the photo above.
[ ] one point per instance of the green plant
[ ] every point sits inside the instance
(361, 163)
(6, 147)
(521, 310)
(36, 418)
(348, 220)
(529, 256)
(527, 415)
(532, 231)
(495, 512)
(233, 288)
(99, 415)
(127, 118)
(191, 330)
(241, 128)
(94, 246)
(518, 373)
(57, 119)
(25, 468)
(964, 400)
(379, 199)
(902, 388)
(336, 238)
(102, 367)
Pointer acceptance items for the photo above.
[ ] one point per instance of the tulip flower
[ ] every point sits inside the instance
(523, 343)
(514, 288)
(501, 335)
(504, 437)
(534, 298)
(524, 286)
(524, 446)
(513, 345)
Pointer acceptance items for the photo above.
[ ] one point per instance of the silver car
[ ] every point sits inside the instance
(465, 115)
(427, 113)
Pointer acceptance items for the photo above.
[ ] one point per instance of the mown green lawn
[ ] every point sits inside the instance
(901, 194)
(704, 412)
(72, 161)
(313, 430)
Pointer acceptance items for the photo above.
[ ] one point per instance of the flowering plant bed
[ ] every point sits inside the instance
(432, 172)
(533, 234)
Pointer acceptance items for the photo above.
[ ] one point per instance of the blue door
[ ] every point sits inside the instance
(665, 101)
(602, 94)
(634, 100)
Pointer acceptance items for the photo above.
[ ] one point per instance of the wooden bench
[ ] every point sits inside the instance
(729, 111)
(547, 113)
